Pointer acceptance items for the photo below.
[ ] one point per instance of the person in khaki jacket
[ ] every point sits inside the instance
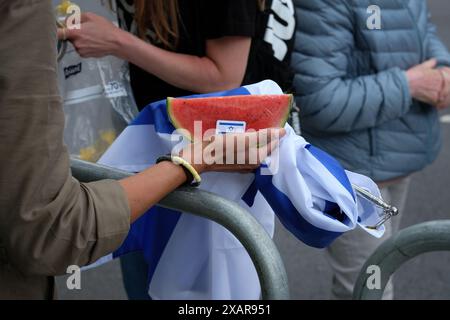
(48, 220)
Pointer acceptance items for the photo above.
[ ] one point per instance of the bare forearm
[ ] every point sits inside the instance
(189, 72)
(222, 67)
(147, 188)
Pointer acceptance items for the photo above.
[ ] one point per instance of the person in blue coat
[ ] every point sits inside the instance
(370, 78)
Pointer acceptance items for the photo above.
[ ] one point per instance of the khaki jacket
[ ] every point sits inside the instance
(48, 220)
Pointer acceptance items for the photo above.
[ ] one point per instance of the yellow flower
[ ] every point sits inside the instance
(108, 136)
(88, 154)
(63, 7)
(95, 151)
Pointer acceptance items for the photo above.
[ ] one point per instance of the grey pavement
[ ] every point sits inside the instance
(425, 277)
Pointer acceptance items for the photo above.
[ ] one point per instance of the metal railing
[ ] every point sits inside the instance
(394, 252)
(260, 247)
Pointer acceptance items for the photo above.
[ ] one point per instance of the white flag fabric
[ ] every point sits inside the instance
(192, 258)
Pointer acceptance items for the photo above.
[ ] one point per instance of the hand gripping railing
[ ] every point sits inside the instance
(260, 247)
(394, 252)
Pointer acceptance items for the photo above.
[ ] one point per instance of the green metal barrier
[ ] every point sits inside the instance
(394, 252)
(260, 247)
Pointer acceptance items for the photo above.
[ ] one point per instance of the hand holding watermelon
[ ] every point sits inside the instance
(232, 133)
(242, 152)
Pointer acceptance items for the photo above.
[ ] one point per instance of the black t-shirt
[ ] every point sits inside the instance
(272, 33)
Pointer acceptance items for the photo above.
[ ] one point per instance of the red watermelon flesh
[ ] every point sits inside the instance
(258, 111)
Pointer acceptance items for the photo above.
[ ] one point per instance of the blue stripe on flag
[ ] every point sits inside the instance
(333, 166)
(232, 124)
(290, 217)
(333, 211)
(150, 234)
(155, 114)
(250, 194)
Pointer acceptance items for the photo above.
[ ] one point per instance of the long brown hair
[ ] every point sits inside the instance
(163, 17)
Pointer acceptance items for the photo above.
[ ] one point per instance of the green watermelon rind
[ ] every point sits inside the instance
(288, 112)
(172, 119)
(177, 125)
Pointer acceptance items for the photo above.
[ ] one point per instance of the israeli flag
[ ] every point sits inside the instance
(193, 258)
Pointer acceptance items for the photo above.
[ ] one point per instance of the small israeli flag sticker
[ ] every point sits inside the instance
(227, 126)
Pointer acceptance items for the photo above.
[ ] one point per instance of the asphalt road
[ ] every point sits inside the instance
(425, 277)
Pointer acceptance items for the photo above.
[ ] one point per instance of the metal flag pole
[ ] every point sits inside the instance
(388, 210)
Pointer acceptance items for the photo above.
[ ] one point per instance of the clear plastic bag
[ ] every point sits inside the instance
(98, 102)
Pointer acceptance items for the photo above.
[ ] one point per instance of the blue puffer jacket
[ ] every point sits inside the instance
(352, 88)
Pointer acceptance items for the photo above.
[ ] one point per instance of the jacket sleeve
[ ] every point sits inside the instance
(330, 99)
(48, 220)
(435, 48)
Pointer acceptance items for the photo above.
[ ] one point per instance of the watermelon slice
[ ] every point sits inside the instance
(256, 111)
